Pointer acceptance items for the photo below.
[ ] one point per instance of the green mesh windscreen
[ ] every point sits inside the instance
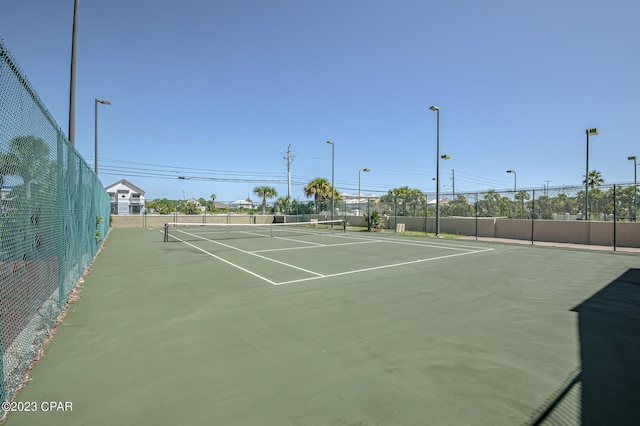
(54, 215)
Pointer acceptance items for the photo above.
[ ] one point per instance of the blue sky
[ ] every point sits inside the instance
(217, 90)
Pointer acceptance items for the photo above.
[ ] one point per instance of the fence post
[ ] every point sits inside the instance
(395, 213)
(426, 215)
(615, 217)
(477, 197)
(61, 196)
(3, 396)
(533, 213)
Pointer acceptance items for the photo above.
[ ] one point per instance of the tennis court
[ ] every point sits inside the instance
(298, 252)
(325, 328)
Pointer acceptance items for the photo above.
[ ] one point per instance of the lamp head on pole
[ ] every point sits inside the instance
(591, 132)
(511, 171)
(365, 170)
(103, 101)
(434, 108)
(445, 157)
(632, 158)
(330, 142)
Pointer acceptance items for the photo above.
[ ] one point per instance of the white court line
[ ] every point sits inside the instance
(410, 243)
(296, 241)
(316, 246)
(267, 236)
(317, 275)
(356, 271)
(248, 252)
(390, 240)
(227, 262)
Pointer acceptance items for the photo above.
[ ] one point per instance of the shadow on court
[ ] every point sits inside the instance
(606, 390)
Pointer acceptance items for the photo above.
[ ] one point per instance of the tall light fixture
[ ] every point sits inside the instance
(98, 101)
(634, 158)
(72, 80)
(438, 156)
(586, 176)
(359, 202)
(515, 188)
(333, 190)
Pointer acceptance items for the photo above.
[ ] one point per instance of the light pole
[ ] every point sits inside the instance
(593, 131)
(359, 203)
(98, 101)
(514, 183)
(333, 191)
(72, 79)
(635, 183)
(437, 110)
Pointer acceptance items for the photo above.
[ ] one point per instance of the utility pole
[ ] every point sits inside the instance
(289, 159)
(453, 182)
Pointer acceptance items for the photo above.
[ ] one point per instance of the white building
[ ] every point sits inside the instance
(238, 204)
(126, 198)
(358, 204)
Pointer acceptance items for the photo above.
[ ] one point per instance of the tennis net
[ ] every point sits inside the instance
(218, 231)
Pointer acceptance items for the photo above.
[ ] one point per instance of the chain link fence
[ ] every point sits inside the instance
(418, 211)
(562, 203)
(54, 216)
(554, 214)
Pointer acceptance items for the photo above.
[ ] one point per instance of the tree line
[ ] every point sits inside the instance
(406, 201)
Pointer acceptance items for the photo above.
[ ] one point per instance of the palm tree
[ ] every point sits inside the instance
(213, 202)
(594, 179)
(188, 207)
(457, 207)
(3, 167)
(410, 198)
(493, 204)
(562, 203)
(320, 188)
(28, 157)
(283, 204)
(521, 196)
(265, 192)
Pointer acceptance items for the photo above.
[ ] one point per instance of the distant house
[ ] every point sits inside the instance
(358, 204)
(241, 204)
(219, 205)
(126, 198)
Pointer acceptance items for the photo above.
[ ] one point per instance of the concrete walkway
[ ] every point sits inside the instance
(555, 244)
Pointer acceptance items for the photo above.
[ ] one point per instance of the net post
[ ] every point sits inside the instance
(533, 215)
(344, 226)
(166, 232)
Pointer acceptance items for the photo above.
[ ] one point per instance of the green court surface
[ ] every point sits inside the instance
(341, 329)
